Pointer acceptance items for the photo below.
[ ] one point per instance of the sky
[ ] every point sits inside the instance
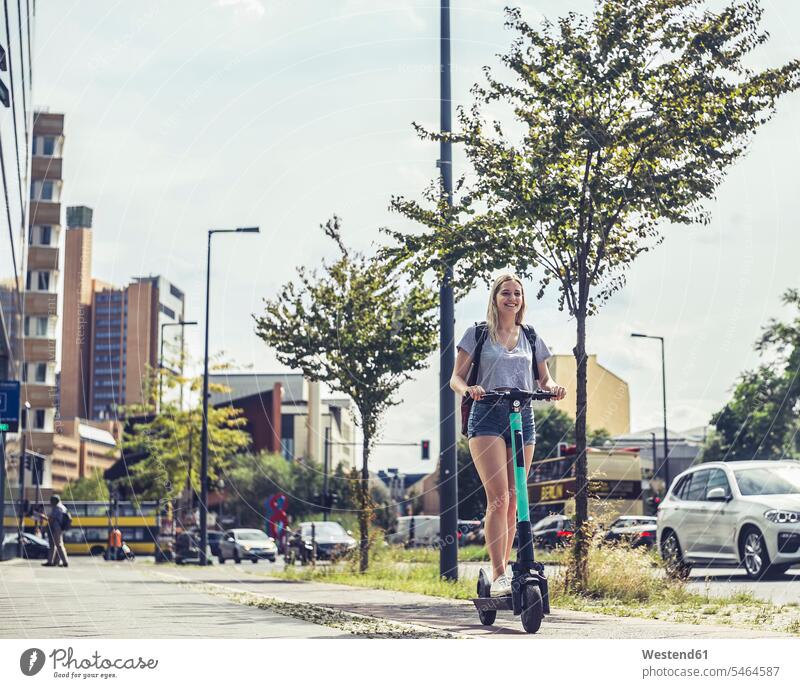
(198, 114)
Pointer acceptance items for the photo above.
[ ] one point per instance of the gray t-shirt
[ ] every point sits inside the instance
(500, 367)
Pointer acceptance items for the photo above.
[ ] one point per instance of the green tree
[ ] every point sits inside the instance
(169, 439)
(251, 480)
(622, 122)
(358, 327)
(762, 420)
(91, 488)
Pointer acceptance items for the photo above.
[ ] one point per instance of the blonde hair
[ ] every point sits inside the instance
(492, 314)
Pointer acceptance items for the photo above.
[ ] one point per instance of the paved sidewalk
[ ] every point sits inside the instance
(99, 599)
(95, 598)
(452, 616)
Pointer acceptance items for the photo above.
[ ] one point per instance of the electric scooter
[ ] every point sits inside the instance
(529, 596)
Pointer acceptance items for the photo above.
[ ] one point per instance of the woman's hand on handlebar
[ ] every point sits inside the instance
(559, 391)
(476, 392)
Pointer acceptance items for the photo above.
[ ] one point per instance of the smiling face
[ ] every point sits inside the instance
(509, 298)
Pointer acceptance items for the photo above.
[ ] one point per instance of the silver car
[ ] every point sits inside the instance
(246, 543)
(730, 514)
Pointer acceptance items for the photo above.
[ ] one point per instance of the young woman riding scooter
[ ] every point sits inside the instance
(506, 361)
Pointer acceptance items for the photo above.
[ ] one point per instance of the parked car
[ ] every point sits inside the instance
(246, 543)
(331, 539)
(552, 531)
(187, 549)
(730, 514)
(214, 538)
(423, 531)
(33, 546)
(638, 531)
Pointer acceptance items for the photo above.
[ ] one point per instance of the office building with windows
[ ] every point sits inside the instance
(111, 335)
(40, 304)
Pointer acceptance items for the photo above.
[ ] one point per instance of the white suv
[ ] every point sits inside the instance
(740, 512)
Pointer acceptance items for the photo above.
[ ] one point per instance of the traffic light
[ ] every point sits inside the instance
(426, 449)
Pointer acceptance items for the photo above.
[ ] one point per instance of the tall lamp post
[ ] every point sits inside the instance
(204, 433)
(664, 400)
(448, 486)
(180, 324)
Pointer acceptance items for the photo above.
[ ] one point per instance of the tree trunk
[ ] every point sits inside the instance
(364, 508)
(581, 541)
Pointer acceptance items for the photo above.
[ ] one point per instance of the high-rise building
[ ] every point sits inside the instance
(77, 307)
(111, 335)
(40, 314)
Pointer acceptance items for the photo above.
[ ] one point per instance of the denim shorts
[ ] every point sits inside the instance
(491, 418)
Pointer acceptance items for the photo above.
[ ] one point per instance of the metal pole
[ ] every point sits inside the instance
(664, 399)
(21, 513)
(182, 361)
(655, 455)
(204, 431)
(325, 476)
(2, 491)
(161, 366)
(448, 489)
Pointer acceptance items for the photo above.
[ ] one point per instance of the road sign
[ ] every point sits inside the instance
(9, 405)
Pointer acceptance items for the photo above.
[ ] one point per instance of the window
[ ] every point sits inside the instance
(177, 293)
(682, 487)
(47, 191)
(48, 145)
(717, 478)
(40, 372)
(166, 311)
(697, 489)
(45, 232)
(36, 326)
(38, 418)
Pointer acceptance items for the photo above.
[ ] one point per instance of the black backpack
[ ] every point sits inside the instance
(481, 332)
(66, 520)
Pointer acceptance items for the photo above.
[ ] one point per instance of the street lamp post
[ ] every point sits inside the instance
(182, 324)
(448, 486)
(664, 401)
(204, 433)
(21, 476)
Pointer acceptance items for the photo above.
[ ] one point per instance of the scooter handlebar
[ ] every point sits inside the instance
(521, 394)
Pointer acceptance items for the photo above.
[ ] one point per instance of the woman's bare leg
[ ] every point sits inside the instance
(489, 455)
(511, 514)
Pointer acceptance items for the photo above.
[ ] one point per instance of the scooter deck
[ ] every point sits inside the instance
(488, 604)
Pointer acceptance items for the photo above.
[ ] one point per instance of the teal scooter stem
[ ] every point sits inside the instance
(529, 593)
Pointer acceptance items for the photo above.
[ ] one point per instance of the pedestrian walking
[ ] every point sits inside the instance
(57, 521)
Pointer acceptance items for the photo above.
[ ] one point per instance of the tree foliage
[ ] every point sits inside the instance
(91, 488)
(169, 439)
(762, 419)
(619, 122)
(358, 326)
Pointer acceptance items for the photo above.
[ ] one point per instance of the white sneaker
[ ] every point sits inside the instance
(500, 587)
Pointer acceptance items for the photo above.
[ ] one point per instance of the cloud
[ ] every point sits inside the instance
(254, 7)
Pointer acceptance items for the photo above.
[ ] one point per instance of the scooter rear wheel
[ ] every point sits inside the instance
(532, 611)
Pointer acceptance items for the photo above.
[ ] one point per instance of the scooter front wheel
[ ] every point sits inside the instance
(532, 609)
(487, 618)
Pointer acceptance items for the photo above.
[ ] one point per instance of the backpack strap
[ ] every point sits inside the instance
(530, 333)
(481, 332)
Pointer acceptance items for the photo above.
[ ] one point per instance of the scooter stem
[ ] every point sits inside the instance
(524, 534)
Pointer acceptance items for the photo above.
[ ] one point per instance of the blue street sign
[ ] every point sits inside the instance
(9, 406)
